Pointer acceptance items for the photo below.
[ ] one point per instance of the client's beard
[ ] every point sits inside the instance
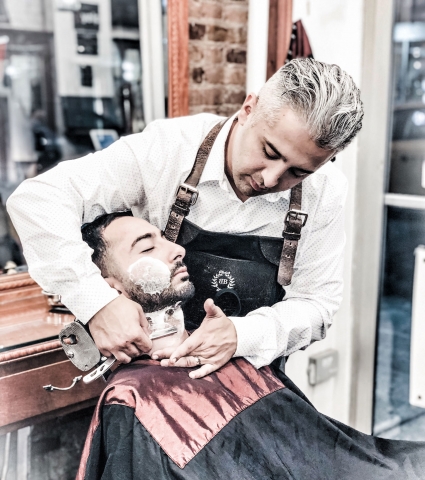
(158, 301)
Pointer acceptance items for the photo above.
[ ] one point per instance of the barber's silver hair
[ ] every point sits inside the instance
(324, 95)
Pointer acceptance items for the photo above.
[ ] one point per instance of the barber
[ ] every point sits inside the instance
(271, 304)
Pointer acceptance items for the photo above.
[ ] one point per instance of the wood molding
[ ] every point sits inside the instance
(280, 28)
(18, 291)
(15, 280)
(178, 58)
(31, 350)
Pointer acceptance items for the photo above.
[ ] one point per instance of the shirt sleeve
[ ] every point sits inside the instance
(48, 212)
(313, 297)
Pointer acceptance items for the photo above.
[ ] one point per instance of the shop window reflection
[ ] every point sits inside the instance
(70, 71)
(394, 416)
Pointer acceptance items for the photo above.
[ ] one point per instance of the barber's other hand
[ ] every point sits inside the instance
(120, 328)
(214, 343)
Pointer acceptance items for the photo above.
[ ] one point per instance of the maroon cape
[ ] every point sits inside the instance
(241, 423)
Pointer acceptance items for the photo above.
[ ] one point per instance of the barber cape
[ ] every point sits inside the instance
(153, 422)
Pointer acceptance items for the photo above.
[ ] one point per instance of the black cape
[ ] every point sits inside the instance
(238, 423)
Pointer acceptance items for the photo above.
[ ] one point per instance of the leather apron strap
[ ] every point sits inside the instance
(187, 194)
(295, 219)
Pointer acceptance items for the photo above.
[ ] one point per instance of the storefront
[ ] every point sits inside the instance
(380, 382)
(399, 406)
(71, 83)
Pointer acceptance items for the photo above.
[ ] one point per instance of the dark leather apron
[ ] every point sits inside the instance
(239, 272)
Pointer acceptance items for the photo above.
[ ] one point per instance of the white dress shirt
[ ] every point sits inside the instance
(142, 172)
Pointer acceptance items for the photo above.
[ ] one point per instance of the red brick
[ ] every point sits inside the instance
(237, 35)
(196, 52)
(237, 97)
(234, 74)
(198, 74)
(217, 55)
(214, 74)
(227, 110)
(236, 55)
(235, 14)
(196, 31)
(216, 33)
(205, 96)
(195, 8)
(213, 55)
(194, 109)
(195, 96)
(210, 109)
(211, 10)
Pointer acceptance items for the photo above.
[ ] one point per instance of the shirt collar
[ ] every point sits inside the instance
(214, 168)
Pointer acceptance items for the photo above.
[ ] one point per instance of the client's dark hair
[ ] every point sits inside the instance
(93, 235)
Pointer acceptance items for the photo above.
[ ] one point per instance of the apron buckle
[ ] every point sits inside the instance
(296, 215)
(188, 188)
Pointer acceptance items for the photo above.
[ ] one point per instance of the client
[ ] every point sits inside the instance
(154, 422)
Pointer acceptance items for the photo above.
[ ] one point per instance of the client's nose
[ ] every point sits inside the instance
(180, 252)
(177, 252)
(173, 251)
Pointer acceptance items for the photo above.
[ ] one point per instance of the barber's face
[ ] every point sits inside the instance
(130, 239)
(263, 159)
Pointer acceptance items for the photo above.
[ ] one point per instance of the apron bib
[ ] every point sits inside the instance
(239, 272)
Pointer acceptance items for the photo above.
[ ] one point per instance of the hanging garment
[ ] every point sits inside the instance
(299, 45)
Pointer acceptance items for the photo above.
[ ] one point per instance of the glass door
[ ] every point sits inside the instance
(396, 413)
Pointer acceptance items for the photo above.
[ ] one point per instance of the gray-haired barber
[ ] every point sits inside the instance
(259, 210)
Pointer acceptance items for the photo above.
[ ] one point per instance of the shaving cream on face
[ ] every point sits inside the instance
(150, 274)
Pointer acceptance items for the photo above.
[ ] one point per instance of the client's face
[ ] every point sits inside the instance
(149, 267)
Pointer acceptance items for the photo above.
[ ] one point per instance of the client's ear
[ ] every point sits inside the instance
(114, 283)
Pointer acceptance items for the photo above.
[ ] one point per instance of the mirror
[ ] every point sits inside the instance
(75, 75)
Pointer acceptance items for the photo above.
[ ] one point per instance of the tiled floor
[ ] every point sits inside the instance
(394, 416)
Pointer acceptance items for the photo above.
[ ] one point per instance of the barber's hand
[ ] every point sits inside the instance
(120, 328)
(213, 343)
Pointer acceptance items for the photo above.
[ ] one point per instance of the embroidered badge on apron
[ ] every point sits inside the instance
(222, 280)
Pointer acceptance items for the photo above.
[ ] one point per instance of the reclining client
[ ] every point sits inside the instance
(237, 423)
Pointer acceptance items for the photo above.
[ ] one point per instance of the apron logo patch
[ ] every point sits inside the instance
(222, 280)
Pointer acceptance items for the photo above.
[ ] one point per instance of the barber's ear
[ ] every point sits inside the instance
(247, 108)
(114, 283)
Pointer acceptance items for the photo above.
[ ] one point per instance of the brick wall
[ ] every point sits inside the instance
(217, 55)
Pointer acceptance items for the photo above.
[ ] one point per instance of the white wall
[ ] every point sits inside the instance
(257, 45)
(357, 36)
(335, 32)
(152, 51)
(345, 33)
